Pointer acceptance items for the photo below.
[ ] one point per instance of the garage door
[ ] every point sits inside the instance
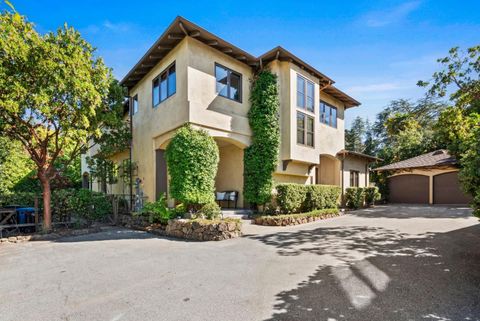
(447, 190)
(408, 189)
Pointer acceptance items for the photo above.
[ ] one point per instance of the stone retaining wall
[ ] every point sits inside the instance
(204, 230)
(200, 230)
(293, 219)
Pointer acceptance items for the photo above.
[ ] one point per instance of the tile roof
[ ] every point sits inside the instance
(433, 159)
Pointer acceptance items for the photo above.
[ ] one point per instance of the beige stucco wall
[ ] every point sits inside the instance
(230, 171)
(427, 172)
(356, 164)
(329, 170)
(332, 140)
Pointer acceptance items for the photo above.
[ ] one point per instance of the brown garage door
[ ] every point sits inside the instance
(446, 190)
(408, 189)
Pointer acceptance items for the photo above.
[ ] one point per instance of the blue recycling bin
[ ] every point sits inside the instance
(23, 213)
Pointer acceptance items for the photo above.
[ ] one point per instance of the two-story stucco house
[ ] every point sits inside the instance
(191, 76)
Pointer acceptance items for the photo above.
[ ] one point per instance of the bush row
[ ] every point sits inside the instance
(295, 198)
(67, 204)
(357, 197)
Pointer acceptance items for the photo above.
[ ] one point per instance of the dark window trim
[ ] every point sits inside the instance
(135, 98)
(166, 70)
(330, 116)
(355, 178)
(229, 71)
(305, 94)
(305, 130)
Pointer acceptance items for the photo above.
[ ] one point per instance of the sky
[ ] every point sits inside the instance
(376, 51)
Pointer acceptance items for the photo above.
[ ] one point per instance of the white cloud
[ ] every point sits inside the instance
(116, 27)
(393, 15)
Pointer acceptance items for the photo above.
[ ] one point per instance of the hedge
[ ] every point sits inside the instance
(295, 198)
(295, 219)
(192, 159)
(355, 197)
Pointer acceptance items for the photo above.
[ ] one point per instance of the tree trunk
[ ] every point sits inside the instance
(47, 212)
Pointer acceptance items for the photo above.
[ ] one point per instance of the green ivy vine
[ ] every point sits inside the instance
(261, 157)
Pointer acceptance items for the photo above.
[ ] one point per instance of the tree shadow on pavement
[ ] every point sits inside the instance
(382, 275)
(405, 211)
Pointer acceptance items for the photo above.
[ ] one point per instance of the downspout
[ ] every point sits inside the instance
(130, 109)
(343, 180)
(366, 174)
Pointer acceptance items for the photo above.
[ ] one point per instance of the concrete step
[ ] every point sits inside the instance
(236, 213)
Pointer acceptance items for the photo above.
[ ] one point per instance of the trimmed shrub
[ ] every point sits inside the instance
(291, 197)
(355, 197)
(210, 211)
(20, 198)
(294, 198)
(322, 196)
(261, 157)
(192, 158)
(372, 195)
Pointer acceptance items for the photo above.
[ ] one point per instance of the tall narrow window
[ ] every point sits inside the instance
(164, 86)
(354, 178)
(305, 94)
(305, 129)
(328, 114)
(229, 83)
(135, 105)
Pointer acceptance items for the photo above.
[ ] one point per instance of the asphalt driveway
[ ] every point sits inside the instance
(386, 263)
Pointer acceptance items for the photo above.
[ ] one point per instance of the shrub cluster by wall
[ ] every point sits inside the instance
(67, 204)
(357, 197)
(260, 158)
(295, 219)
(296, 198)
(192, 157)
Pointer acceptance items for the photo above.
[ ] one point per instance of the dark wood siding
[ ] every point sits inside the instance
(161, 173)
(447, 190)
(408, 188)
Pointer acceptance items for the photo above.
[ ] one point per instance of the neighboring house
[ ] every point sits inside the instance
(430, 178)
(192, 76)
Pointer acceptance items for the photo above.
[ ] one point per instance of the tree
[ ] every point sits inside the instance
(261, 157)
(192, 159)
(459, 125)
(354, 137)
(54, 95)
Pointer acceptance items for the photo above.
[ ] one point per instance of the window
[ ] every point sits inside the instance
(354, 178)
(305, 129)
(328, 114)
(229, 83)
(305, 93)
(164, 86)
(135, 105)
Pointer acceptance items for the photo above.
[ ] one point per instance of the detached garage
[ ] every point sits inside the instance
(430, 178)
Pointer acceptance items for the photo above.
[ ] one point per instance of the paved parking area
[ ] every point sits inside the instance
(386, 263)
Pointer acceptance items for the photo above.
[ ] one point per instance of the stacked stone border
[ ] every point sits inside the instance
(295, 219)
(190, 229)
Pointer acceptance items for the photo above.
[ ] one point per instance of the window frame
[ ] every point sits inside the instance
(305, 130)
(158, 78)
(355, 178)
(229, 72)
(134, 99)
(330, 108)
(306, 82)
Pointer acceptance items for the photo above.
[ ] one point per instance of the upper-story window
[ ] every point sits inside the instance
(305, 93)
(135, 105)
(328, 114)
(305, 129)
(164, 86)
(229, 83)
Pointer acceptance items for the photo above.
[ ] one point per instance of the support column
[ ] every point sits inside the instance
(430, 189)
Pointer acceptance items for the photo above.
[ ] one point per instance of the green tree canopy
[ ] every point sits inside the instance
(54, 95)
